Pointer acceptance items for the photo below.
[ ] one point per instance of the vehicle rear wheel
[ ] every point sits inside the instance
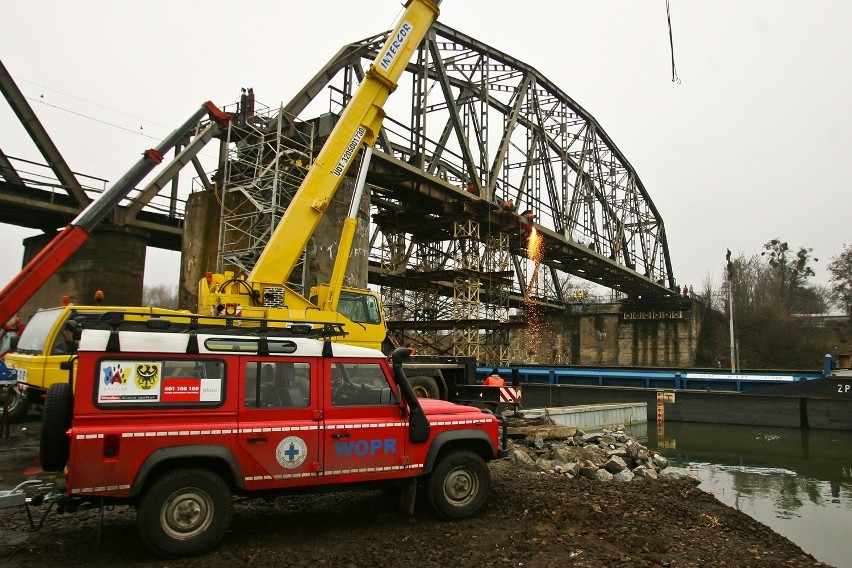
(17, 405)
(185, 512)
(458, 485)
(425, 387)
(56, 420)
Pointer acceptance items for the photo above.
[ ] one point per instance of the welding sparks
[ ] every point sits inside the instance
(535, 252)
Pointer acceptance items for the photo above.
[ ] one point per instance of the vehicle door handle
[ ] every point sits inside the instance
(254, 440)
(343, 435)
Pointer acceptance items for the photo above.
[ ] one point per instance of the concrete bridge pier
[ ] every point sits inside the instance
(112, 260)
(662, 333)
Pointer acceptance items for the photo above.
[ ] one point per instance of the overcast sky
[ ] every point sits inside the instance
(754, 143)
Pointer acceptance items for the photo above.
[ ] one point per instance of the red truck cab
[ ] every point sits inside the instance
(176, 418)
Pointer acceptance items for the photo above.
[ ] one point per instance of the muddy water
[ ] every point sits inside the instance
(798, 482)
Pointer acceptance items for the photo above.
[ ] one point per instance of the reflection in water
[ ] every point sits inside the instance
(795, 481)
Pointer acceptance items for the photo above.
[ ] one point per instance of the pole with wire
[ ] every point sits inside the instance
(730, 269)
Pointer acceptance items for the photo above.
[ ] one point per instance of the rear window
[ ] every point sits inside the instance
(160, 382)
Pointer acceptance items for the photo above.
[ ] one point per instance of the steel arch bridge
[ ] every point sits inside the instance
(478, 152)
(467, 116)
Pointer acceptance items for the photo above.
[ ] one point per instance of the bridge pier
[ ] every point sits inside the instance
(112, 260)
(199, 245)
(616, 334)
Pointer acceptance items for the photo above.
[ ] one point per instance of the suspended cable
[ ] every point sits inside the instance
(105, 122)
(90, 117)
(43, 88)
(675, 78)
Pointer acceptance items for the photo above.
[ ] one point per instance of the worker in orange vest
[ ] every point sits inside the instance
(494, 379)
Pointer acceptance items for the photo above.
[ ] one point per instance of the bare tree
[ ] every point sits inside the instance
(160, 296)
(841, 279)
(768, 289)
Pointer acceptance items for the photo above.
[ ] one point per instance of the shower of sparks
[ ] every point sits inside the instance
(535, 252)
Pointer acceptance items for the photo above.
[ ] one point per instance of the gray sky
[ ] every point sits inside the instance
(753, 144)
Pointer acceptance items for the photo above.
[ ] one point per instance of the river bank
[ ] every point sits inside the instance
(532, 519)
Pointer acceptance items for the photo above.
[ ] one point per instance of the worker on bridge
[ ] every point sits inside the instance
(494, 379)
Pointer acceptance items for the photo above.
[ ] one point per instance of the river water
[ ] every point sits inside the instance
(798, 482)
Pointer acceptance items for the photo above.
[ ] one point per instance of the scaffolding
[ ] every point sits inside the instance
(265, 162)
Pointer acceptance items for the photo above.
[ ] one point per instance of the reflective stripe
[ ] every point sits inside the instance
(334, 472)
(304, 428)
(100, 489)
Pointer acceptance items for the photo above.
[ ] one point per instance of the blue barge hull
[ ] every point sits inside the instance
(791, 399)
(655, 378)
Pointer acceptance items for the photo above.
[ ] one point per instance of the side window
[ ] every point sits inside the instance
(361, 308)
(277, 385)
(162, 382)
(64, 343)
(360, 384)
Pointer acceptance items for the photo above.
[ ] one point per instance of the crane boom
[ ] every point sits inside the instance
(358, 125)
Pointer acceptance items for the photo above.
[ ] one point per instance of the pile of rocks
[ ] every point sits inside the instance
(604, 456)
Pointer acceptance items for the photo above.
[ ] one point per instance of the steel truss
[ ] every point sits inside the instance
(490, 144)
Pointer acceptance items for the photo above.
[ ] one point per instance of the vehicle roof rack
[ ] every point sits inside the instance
(194, 324)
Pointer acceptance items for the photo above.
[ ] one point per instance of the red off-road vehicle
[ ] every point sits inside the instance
(176, 416)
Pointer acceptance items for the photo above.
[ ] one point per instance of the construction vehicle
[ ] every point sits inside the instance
(71, 238)
(264, 292)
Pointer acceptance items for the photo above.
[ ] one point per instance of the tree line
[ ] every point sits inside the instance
(774, 308)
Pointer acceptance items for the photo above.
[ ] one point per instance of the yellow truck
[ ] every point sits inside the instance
(264, 293)
(46, 351)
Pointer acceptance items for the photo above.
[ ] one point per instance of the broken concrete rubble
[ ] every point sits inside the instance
(572, 453)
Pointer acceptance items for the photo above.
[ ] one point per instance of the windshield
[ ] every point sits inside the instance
(38, 328)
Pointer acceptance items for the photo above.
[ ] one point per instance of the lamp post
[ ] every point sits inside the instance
(731, 309)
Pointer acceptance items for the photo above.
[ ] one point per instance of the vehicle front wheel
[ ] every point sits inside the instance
(185, 512)
(458, 485)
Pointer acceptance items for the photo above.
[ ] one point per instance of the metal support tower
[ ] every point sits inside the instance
(496, 264)
(265, 163)
(467, 306)
(393, 249)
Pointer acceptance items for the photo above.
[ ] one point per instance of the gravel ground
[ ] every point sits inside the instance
(532, 519)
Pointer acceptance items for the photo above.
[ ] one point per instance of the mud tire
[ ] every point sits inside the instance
(185, 512)
(458, 485)
(425, 386)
